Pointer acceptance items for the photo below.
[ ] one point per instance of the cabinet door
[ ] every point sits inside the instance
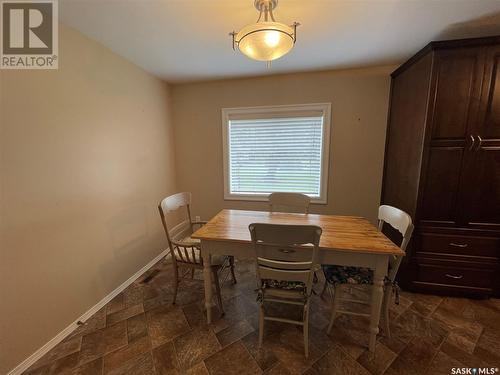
(488, 125)
(482, 209)
(457, 81)
(482, 203)
(454, 107)
(442, 181)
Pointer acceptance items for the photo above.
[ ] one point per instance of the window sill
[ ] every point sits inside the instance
(260, 198)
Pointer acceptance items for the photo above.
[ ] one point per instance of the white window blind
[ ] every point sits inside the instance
(275, 154)
(276, 149)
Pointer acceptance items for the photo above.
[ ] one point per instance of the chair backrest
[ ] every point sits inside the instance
(177, 208)
(401, 221)
(295, 201)
(286, 252)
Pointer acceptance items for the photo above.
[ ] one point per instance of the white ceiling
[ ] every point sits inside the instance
(186, 40)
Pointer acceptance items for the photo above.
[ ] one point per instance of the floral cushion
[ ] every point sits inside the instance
(287, 285)
(347, 275)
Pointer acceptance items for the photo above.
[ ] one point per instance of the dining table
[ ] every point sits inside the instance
(345, 241)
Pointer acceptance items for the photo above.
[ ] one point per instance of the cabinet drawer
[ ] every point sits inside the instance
(459, 244)
(456, 276)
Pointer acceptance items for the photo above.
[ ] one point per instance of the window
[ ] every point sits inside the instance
(270, 149)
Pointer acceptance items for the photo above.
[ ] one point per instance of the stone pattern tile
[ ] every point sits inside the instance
(141, 332)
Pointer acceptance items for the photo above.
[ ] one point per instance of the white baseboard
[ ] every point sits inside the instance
(23, 366)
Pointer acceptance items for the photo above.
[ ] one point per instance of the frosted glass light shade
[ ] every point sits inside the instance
(265, 41)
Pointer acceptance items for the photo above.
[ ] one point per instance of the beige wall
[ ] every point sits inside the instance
(87, 151)
(359, 101)
(86, 154)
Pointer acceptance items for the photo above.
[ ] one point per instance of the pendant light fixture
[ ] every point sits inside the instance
(265, 40)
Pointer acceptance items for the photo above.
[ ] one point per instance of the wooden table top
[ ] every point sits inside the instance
(349, 233)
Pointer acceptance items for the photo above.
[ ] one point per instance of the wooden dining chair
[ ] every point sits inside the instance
(290, 202)
(296, 202)
(185, 250)
(337, 276)
(286, 258)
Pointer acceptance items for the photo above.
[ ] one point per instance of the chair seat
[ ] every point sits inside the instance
(288, 290)
(285, 285)
(217, 260)
(347, 275)
(191, 241)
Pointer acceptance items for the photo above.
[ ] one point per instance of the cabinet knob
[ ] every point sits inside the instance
(473, 140)
(458, 244)
(454, 276)
(480, 142)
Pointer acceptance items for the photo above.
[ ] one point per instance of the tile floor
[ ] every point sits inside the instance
(141, 332)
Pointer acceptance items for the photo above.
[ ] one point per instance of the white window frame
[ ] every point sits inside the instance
(285, 110)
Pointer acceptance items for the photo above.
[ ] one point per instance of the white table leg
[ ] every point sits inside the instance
(379, 274)
(207, 278)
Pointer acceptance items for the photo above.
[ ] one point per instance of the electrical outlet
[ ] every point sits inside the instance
(197, 218)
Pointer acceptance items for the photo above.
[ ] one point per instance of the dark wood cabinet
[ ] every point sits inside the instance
(442, 165)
